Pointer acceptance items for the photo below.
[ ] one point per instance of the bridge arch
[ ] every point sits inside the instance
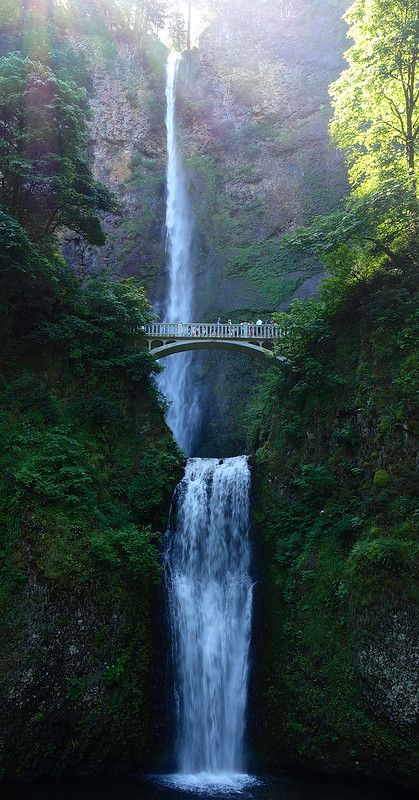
(168, 338)
(170, 348)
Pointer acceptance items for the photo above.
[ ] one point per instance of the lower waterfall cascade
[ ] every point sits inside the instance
(209, 589)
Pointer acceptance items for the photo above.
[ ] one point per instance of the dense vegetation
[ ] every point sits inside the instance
(335, 509)
(334, 431)
(87, 463)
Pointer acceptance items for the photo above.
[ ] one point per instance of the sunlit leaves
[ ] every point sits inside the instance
(376, 119)
(376, 124)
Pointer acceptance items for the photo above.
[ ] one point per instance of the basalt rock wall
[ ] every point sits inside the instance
(254, 113)
(255, 110)
(129, 155)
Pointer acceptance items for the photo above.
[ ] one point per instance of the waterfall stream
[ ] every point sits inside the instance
(175, 382)
(207, 556)
(210, 601)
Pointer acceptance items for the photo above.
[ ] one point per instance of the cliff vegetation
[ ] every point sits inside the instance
(334, 431)
(87, 462)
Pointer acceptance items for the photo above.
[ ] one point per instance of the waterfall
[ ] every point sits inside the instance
(175, 382)
(207, 556)
(207, 567)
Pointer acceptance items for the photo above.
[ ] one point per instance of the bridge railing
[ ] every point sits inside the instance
(211, 330)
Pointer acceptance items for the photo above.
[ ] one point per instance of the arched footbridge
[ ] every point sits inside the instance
(167, 338)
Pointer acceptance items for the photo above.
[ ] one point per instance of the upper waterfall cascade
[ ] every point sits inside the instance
(175, 382)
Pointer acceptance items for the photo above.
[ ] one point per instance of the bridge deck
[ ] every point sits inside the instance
(210, 330)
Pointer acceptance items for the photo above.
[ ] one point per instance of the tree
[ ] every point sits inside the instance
(46, 180)
(177, 30)
(26, 274)
(380, 222)
(376, 124)
(376, 119)
(149, 15)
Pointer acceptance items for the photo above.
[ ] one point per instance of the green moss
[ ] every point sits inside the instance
(337, 536)
(88, 467)
(83, 498)
(381, 478)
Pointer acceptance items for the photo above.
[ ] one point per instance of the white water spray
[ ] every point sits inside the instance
(207, 561)
(175, 382)
(210, 602)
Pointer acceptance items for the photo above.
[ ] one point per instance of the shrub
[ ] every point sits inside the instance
(376, 564)
(131, 548)
(315, 480)
(382, 479)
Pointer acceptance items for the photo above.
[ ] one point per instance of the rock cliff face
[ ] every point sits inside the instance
(74, 661)
(81, 634)
(254, 107)
(256, 111)
(129, 154)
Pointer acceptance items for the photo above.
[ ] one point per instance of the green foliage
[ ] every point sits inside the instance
(115, 672)
(140, 17)
(336, 529)
(132, 549)
(72, 416)
(378, 565)
(87, 463)
(376, 119)
(155, 469)
(98, 324)
(381, 478)
(177, 30)
(376, 124)
(267, 266)
(358, 238)
(75, 689)
(47, 181)
(305, 323)
(315, 481)
(53, 467)
(25, 270)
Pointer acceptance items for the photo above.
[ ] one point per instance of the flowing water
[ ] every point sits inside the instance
(175, 382)
(210, 602)
(207, 558)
